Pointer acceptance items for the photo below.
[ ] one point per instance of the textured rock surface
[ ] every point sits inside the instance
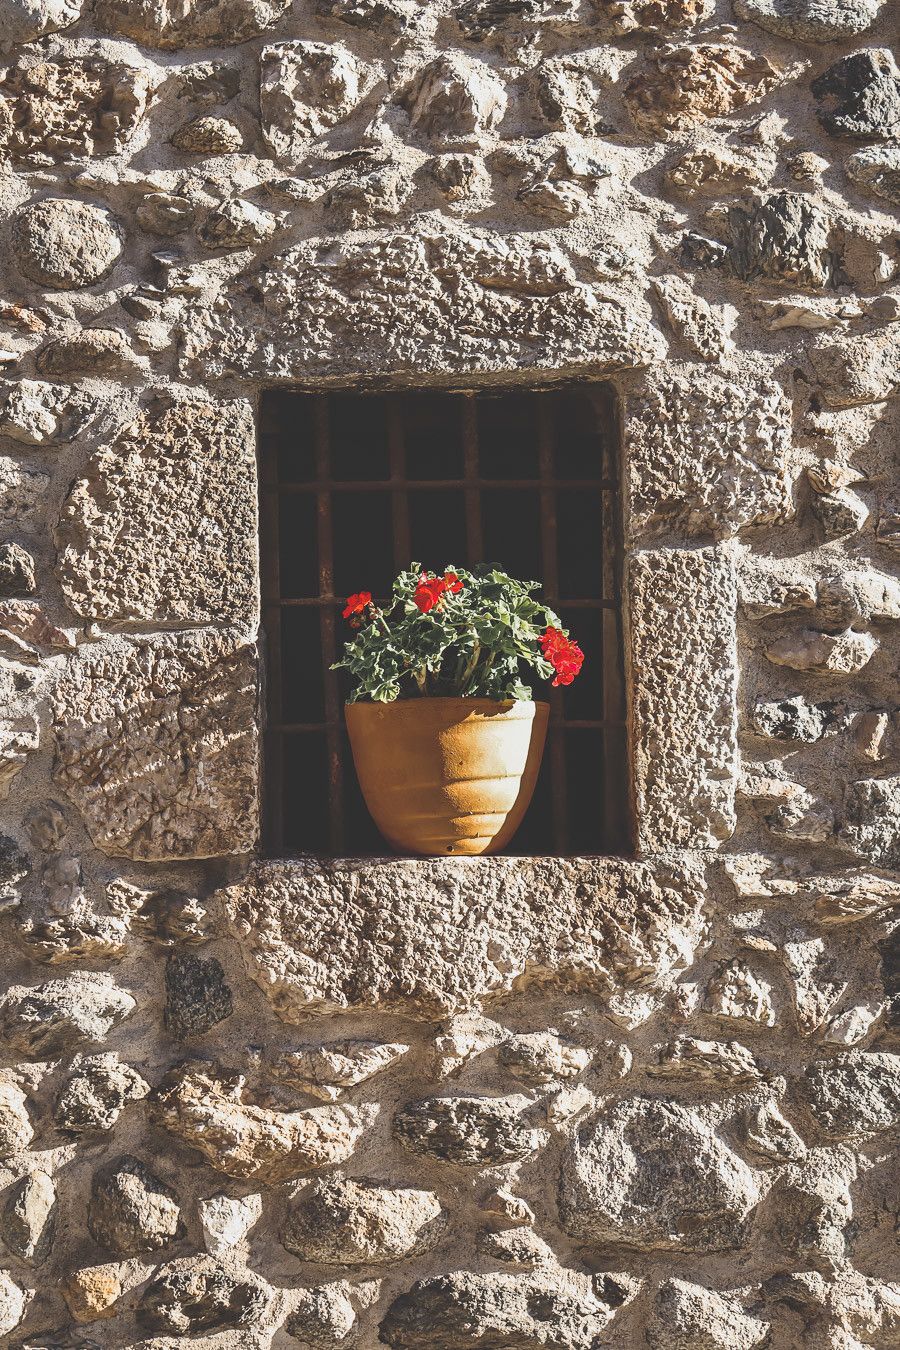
(653, 1174)
(171, 500)
(156, 745)
(633, 1101)
(337, 1222)
(508, 922)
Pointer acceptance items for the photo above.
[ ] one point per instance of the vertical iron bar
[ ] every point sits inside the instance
(616, 758)
(550, 568)
(399, 491)
(325, 533)
(474, 534)
(273, 782)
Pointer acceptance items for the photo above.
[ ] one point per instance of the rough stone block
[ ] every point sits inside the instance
(706, 455)
(162, 525)
(684, 669)
(437, 937)
(428, 299)
(157, 744)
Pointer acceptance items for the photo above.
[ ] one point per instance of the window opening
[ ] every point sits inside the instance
(355, 486)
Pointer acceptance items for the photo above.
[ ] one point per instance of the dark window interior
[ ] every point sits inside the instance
(356, 486)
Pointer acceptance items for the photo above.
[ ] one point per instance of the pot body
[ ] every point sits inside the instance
(447, 776)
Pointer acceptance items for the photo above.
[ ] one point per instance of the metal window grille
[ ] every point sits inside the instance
(353, 488)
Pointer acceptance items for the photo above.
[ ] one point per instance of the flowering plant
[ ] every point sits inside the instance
(469, 634)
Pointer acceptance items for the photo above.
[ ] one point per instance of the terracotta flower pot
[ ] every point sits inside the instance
(447, 775)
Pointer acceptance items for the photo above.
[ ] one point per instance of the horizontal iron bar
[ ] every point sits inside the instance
(305, 728)
(439, 484)
(317, 600)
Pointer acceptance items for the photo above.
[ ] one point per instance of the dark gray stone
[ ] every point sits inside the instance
(16, 571)
(131, 1211)
(783, 239)
(473, 1131)
(860, 95)
(795, 719)
(29, 1218)
(197, 997)
(202, 1295)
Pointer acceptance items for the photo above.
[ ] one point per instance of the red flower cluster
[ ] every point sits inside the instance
(355, 606)
(431, 590)
(564, 655)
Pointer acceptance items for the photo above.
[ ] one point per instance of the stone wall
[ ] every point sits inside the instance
(556, 1104)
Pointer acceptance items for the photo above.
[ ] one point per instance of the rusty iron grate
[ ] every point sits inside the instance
(355, 486)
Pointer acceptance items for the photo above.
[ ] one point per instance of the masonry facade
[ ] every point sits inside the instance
(518, 1103)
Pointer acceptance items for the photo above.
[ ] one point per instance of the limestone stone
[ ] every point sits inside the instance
(407, 293)
(690, 1317)
(226, 1220)
(194, 23)
(766, 1133)
(208, 136)
(712, 1062)
(96, 1092)
(480, 19)
(437, 938)
(94, 351)
(786, 239)
(470, 1131)
(37, 413)
(877, 170)
(205, 1109)
(16, 1130)
(466, 1309)
(515, 1247)
(459, 175)
(391, 16)
(811, 20)
(202, 1294)
(29, 1217)
(22, 489)
(797, 719)
(237, 224)
(13, 1302)
(655, 1174)
(679, 87)
(326, 1071)
(718, 171)
(197, 996)
(859, 370)
(25, 20)
(17, 574)
(92, 1292)
(156, 745)
(53, 111)
(541, 1058)
(132, 1212)
(857, 1092)
(825, 653)
(685, 763)
(324, 1316)
(860, 96)
(816, 977)
(455, 99)
(65, 244)
(162, 525)
(814, 1206)
(341, 1222)
(736, 992)
(305, 88)
(47, 1019)
(691, 318)
(708, 455)
(650, 16)
(871, 824)
(165, 213)
(367, 200)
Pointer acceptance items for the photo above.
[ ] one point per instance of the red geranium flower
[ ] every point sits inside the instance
(430, 590)
(564, 655)
(357, 603)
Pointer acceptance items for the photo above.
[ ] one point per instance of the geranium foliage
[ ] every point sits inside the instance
(469, 634)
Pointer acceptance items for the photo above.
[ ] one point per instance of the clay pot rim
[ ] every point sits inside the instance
(450, 698)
